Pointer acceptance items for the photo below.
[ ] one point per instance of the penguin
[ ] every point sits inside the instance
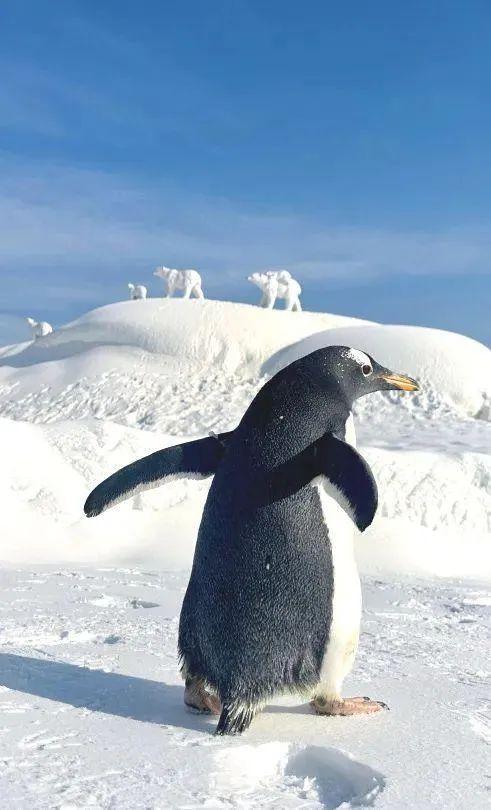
(273, 603)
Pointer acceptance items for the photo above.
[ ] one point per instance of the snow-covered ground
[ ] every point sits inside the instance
(91, 710)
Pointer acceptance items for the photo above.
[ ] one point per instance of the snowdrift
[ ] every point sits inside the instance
(46, 475)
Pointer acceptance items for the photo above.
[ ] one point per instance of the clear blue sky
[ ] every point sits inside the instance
(349, 142)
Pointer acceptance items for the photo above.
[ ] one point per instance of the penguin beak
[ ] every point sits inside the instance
(400, 381)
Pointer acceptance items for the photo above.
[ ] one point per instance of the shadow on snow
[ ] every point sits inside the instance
(107, 692)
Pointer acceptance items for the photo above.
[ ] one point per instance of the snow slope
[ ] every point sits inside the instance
(90, 697)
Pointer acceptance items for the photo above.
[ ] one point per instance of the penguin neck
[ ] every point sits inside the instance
(334, 409)
(297, 412)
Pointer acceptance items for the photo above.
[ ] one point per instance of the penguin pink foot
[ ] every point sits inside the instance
(198, 699)
(347, 706)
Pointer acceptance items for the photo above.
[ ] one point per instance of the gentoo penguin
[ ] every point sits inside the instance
(273, 603)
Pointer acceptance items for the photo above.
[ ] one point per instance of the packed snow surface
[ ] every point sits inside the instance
(91, 710)
(92, 714)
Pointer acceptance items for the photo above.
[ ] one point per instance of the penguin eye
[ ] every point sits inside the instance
(366, 369)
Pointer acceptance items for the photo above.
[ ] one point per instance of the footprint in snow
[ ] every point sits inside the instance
(279, 770)
(105, 601)
(141, 603)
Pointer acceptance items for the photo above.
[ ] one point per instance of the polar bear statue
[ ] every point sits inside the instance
(187, 280)
(138, 292)
(278, 284)
(39, 328)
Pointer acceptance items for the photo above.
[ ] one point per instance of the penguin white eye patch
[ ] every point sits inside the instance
(359, 357)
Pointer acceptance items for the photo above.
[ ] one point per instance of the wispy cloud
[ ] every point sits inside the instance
(122, 102)
(86, 230)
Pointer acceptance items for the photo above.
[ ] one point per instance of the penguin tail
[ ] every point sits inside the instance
(236, 718)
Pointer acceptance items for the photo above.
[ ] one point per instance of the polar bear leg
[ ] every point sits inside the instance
(289, 302)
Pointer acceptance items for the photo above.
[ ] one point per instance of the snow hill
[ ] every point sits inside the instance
(90, 695)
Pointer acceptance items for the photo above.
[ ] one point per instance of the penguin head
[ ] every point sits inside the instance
(354, 373)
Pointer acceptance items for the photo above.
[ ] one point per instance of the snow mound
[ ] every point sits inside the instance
(186, 367)
(325, 777)
(453, 369)
(199, 333)
(173, 365)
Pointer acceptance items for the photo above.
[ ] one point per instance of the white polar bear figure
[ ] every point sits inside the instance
(283, 276)
(138, 292)
(278, 284)
(187, 280)
(39, 328)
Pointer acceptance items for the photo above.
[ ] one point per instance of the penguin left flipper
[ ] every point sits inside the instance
(350, 480)
(344, 473)
(197, 459)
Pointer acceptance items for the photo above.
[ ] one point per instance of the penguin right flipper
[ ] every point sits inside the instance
(197, 459)
(350, 480)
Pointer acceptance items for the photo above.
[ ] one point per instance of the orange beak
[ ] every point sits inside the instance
(400, 381)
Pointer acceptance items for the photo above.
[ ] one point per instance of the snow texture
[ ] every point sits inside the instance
(91, 711)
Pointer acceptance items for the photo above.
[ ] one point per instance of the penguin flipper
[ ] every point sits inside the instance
(350, 480)
(197, 459)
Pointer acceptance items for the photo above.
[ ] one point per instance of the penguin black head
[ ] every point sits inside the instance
(352, 372)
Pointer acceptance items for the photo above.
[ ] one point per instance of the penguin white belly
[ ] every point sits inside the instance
(344, 631)
(349, 431)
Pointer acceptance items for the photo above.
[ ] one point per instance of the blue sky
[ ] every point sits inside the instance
(347, 142)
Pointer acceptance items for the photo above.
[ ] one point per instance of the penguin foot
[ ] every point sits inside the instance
(347, 706)
(198, 699)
